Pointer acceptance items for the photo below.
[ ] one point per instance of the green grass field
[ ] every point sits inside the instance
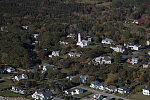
(10, 94)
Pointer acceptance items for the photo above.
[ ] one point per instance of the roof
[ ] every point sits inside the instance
(44, 93)
(147, 88)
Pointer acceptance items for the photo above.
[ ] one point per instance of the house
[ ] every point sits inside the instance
(18, 90)
(71, 36)
(107, 98)
(111, 88)
(118, 48)
(67, 92)
(146, 91)
(83, 43)
(127, 44)
(21, 77)
(107, 41)
(123, 90)
(40, 94)
(63, 43)
(148, 42)
(35, 35)
(98, 97)
(133, 60)
(146, 65)
(89, 38)
(55, 53)
(102, 60)
(25, 27)
(135, 47)
(84, 78)
(76, 55)
(69, 78)
(135, 22)
(77, 91)
(149, 53)
(47, 67)
(9, 69)
(102, 87)
(95, 84)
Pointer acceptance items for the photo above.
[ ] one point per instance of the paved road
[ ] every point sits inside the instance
(99, 92)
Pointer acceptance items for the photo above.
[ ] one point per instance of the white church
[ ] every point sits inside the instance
(82, 43)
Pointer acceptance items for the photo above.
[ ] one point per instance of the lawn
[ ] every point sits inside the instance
(84, 94)
(139, 96)
(10, 94)
(6, 84)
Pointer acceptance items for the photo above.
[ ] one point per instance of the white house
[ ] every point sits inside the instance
(72, 54)
(71, 36)
(35, 35)
(9, 69)
(107, 41)
(21, 77)
(42, 95)
(146, 65)
(69, 78)
(47, 67)
(95, 84)
(83, 43)
(18, 90)
(98, 97)
(25, 27)
(102, 87)
(135, 22)
(111, 88)
(135, 47)
(149, 53)
(146, 91)
(118, 48)
(55, 53)
(102, 60)
(84, 78)
(77, 91)
(148, 42)
(133, 60)
(123, 90)
(63, 43)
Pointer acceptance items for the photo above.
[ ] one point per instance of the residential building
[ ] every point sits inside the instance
(111, 88)
(102, 87)
(55, 53)
(123, 90)
(47, 67)
(35, 35)
(149, 53)
(135, 47)
(71, 36)
(84, 78)
(107, 41)
(21, 77)
(146, 65)
(83, 43)
(118, 48)
(95, 84)
(98, 97)
(77, 91)
(133, 60)
(102, 60)
(25, 27)
(146, 91)
(76, 55)
(69, 78)
(42, 95)
(18, 90)
(9, 69)
(148, 42)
